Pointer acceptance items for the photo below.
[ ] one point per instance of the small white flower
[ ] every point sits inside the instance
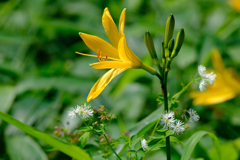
(85, 112)
(72, 113)
(167, 119)
(169, 114)
(201, 70)
(144, 144)
(178, 127)
(80, 110)
(88, 114)
(203, 85)
(207, 78)
(211, 78)
(193, 115)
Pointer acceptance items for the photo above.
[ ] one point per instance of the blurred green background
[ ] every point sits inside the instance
(41, 76)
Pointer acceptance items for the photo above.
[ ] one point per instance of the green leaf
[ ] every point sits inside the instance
(134, 138)
(83, 139)
(172, 101)
(7, 96)
(156, 144)
(160, 98)
(176, 140)
(144, 125)
(68, 149)
(24, 147)
(137, 145)
(123, 149)
(132, 151)
(228, 151)
(85, 129)
(123, 139)
(161, 130)
(169, 133)
(194, 139)
(140, 154)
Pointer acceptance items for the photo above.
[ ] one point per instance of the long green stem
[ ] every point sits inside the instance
(154, 129)
(185, 88)
(165, 93)
(111, 146)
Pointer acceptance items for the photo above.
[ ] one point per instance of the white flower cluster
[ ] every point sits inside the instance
(144, 144)
(193, 115)
(84, 112)
(169, 121)
(207, 78)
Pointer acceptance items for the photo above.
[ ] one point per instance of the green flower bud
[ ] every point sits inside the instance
(150, 45)
(179, 42)
(163, 50)
(169, 30)
(170, 45)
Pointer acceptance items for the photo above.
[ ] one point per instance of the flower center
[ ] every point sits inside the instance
(100, 56)
(167, 120)
(80, 111)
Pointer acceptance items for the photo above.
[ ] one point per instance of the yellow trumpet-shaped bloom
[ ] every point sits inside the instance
(235, 4)
(116, 56)
(226, 86)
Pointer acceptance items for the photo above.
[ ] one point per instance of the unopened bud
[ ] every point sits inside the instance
(169, 30)
(186, 126)
(179, 42)
(163, 50)
(170, 45)
(150, 45)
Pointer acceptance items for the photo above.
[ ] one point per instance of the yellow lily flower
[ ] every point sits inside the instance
(226, 86)
(235, 4)
(116, 56)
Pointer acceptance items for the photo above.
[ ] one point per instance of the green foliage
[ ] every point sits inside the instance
(83, 139)
(41, 77)
(172, 101)
(68, 149)
(194, 139)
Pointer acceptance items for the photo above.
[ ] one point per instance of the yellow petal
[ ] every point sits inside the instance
(126, 54)
(102, 83)
(110, 28)
(95, 43)
(235, 4)
(217, 60)
(211, 97)
(231, 79)
(111, 64)
(122, 22)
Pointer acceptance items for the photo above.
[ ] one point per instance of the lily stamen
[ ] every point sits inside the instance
(98, 53)
(100, 56)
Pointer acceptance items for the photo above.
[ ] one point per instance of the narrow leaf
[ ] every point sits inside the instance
(68, 149)
(194, 139)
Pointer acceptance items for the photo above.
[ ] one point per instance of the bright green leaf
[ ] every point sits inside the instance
(194, 139)
(68, 149)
